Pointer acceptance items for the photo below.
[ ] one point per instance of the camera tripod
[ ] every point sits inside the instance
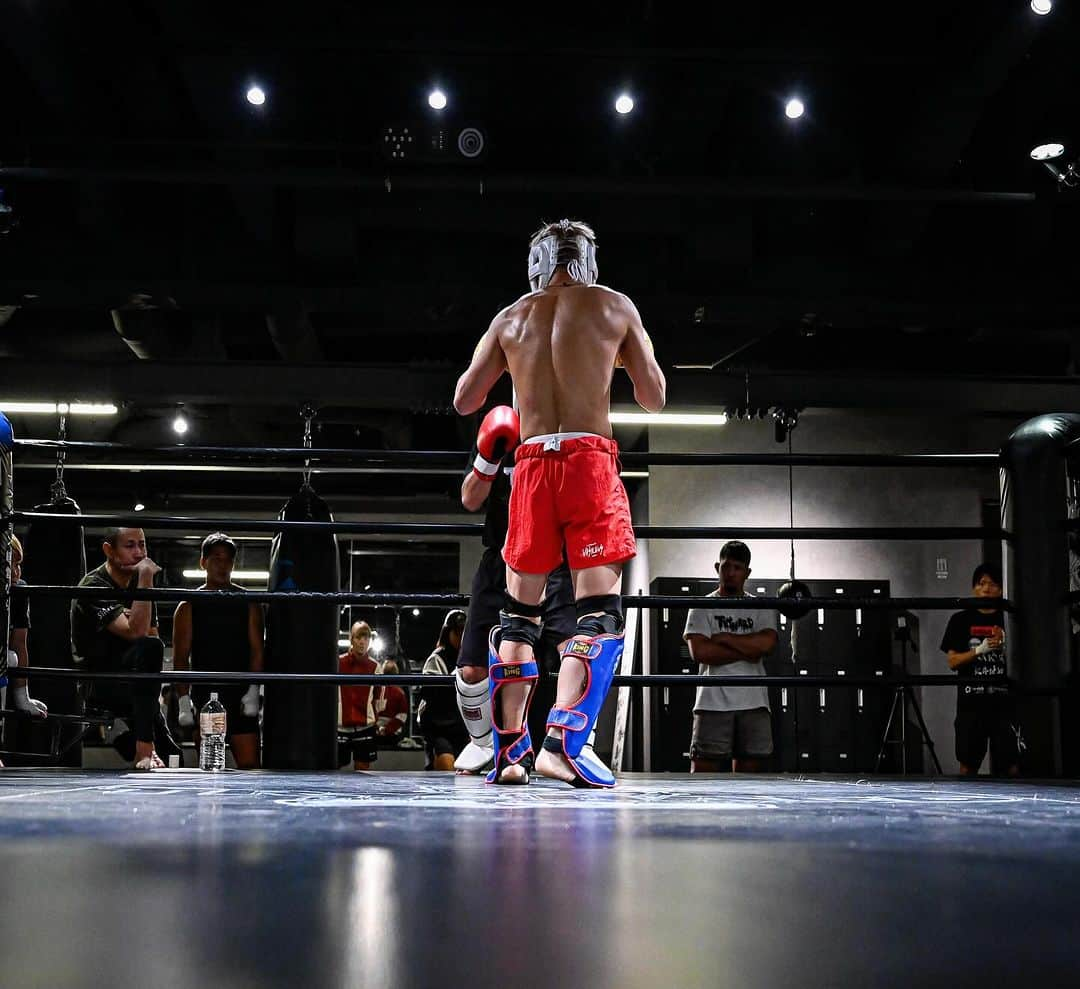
(902, 696)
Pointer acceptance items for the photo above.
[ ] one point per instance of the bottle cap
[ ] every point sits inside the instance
(213, 695)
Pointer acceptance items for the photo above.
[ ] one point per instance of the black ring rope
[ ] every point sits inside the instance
(375, 599)
(344, 456)
(867, 533)
(432, 680)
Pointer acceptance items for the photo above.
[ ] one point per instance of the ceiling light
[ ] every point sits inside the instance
(624, 104)
(256, 96)
(65, 408)
(140, 506)
(1047, 152)
(668, 418)
(1041, 7)
(794, 108)
(437, 99)
(180, 424)
(416, 612)
(236, 574)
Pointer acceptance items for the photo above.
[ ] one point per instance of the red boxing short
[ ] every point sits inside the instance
(568, 490)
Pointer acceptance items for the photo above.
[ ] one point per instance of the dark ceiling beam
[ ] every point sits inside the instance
(998, 307)
(680, 187)
(428, 388)
(417, 388)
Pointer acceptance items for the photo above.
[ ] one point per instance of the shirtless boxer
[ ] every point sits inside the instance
(560, 344)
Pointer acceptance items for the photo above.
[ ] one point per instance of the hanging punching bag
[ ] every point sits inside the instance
(55, 554)
(300, 720)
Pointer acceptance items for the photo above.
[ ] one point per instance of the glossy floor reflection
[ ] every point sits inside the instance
(412, 879)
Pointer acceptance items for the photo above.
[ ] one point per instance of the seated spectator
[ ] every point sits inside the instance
(358, 719)
(445, 734)
(224, 637)
(391, 707)
(115, 634)
(17, 640)
(16, 645)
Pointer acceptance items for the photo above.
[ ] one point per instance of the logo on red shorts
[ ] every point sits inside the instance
(593, 549)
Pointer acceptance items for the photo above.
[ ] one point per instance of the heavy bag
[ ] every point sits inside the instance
(300, 720)
(55, 554)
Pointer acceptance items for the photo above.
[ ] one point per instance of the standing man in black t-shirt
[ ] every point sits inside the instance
(225, 636)
(114, 633)
(487, 484)
(974, 641)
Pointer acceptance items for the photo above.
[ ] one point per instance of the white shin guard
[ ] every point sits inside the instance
(474, 703)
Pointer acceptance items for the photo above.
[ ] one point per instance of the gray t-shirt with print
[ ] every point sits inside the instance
(728, 617)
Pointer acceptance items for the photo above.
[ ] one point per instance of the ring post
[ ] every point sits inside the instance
(1038, 495)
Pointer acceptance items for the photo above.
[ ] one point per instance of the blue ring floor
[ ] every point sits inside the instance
(182, 878)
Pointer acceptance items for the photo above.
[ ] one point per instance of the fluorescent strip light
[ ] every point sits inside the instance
(668, 418)
(53, 408)
(236, 574)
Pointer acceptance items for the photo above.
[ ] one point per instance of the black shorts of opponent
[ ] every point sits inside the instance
(236, 722)
(357, 743)
(993, 721)
(445, 739)
(488, 598)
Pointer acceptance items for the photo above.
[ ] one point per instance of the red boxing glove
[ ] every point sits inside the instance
(499, 433)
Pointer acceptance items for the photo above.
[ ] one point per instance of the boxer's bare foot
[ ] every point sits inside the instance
(515, 774)
(554, 766)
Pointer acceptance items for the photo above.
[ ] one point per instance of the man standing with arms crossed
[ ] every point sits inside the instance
(560, 344)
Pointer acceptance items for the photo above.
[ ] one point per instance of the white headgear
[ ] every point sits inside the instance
(575, 251)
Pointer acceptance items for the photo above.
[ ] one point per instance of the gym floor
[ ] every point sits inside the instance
(417, 879)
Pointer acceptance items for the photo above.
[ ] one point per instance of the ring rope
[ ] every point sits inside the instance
(451, 600)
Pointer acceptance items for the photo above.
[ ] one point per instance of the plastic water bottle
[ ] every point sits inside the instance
(212, 736)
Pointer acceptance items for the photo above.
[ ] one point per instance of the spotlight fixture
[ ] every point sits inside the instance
(433, 141)
(180, 424)
(256, 96)
(139, 506)
(794, 108)
(1047, 154)
(416, 612)
(437, 99)
(784, 421)
(624, 104)
(1042, 7)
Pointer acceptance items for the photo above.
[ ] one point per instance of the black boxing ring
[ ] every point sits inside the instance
(399, 878)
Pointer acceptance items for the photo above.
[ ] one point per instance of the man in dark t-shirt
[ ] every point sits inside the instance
(114, 633)
(974, 641)
(226, 637)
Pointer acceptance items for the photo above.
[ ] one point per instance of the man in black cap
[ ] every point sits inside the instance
(221, 636)
(732, 725)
